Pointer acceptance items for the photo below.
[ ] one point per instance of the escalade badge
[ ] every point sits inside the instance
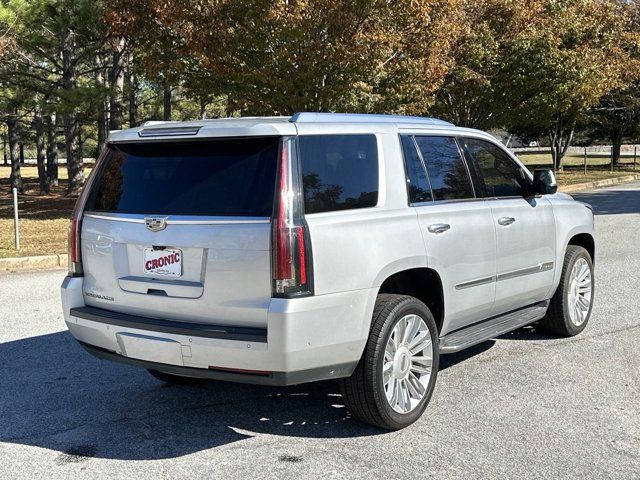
(155, 224)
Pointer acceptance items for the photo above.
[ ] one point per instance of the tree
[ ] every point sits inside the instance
(576, 55)
(616, 117)
(286, 56)
(49, 61)
(477, 91)
(536, 66)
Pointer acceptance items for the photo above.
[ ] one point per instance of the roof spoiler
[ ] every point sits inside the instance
(169, 131)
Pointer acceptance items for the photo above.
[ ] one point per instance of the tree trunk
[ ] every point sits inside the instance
(75, 167)
(616, 143)
(14, 153)
(38, 128)
(560, 136)
(4, 149)
(167, 102)
(102, 107)
(52, 151)
(133, 92)
(203, 108)
(117, 85)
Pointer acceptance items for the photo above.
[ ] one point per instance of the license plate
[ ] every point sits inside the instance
(167, 262)
(151, 349)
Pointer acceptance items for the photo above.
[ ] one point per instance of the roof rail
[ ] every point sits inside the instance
(316, 117)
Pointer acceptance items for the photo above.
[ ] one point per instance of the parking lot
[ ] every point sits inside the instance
(525, 405)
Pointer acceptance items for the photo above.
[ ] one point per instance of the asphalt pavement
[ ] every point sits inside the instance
(526, 405)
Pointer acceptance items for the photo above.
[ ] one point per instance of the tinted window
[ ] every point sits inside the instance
(447, 171)
(339, 172)
(419, 190)
(219, 177)
(501, 175)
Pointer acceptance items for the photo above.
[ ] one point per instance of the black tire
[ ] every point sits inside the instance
(175, 379)
(558, 318)
(363, 391)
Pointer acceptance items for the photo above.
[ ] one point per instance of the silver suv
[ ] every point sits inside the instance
(280, 251)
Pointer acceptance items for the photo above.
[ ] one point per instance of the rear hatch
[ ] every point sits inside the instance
(180, 230)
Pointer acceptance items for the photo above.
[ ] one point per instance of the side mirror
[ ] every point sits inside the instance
(544, 182)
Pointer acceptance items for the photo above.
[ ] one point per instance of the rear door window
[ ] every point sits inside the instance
(446, 168)
(339, 172)
(229, 177)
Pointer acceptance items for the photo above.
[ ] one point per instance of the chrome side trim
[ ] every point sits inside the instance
(180, 220)
(444, 202)
(543, 267)
(475, 283)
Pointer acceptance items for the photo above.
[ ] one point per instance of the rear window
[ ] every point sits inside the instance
(339, 172)
(230, 177)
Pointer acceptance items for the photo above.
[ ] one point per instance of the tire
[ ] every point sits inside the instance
(561, 318)
(175, 379)
(364, 391)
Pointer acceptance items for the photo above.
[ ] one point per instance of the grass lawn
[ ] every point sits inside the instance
(44, 219)
(600, 160)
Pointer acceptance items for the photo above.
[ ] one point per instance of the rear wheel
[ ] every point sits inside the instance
(175, 379)
(570, 307)
(395, 378)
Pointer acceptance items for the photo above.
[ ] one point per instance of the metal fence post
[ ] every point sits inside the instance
(585, 160)
(635, 154)
(16, 233)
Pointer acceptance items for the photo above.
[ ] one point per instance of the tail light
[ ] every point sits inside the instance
(291, 265)
(75, 227)
(75, 259)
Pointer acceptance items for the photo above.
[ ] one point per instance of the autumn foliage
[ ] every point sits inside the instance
(279, 57)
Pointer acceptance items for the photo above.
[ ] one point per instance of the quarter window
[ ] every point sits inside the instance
(339, 172)
(502, 176)
(447, 170)
(417, 181)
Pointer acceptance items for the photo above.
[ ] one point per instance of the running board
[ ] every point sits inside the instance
(494, 327)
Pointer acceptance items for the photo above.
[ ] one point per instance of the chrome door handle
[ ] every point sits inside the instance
(504, 221)
(439, 227)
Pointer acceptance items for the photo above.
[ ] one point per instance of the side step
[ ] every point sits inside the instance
(494, 327)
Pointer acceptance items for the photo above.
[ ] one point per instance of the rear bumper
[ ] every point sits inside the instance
(271, 378)
(306, 339)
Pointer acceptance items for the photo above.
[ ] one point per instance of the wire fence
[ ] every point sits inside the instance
(599, 157)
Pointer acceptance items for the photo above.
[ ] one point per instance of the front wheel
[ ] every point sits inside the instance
(395, 378)
(570, 307)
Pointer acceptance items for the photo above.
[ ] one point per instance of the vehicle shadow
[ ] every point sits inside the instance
(56, 396)
(451, 359)
(611, 202)
(530, 332)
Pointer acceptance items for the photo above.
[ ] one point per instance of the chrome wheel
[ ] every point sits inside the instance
(579, 296)
(407, 365)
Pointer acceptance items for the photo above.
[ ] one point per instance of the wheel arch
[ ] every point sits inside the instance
(422, 283)
(586, 241)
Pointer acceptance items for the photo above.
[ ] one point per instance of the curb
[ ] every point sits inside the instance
(607, 182)
(40, 262)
